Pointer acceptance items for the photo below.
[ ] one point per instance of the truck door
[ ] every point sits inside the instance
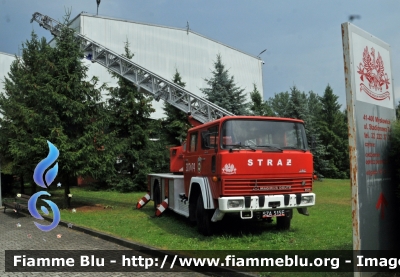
(190, 159)
(207, 161)
(201, 157)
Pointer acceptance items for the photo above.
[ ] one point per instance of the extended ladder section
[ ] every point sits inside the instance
(160, 88)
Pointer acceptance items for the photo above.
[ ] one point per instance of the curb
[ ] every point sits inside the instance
(142, 248)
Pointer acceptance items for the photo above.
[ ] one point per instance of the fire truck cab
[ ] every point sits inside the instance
(258, 167)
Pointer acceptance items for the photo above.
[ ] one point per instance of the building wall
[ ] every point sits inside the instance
(5, 63)
(163, 50)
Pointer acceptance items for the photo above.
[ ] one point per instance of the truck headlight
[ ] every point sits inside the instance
(235, 203)
(307, 199)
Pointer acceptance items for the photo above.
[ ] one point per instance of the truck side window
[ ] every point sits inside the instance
(193, 142)
(214, 138)
(211, 139)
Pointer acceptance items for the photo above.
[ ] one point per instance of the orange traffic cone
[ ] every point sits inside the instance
(143, 201)
(162, 207)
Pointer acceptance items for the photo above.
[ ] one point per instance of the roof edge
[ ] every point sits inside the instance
(8, 54)
(161, 26)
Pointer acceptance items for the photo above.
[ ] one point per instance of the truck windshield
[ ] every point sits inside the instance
(263, 134)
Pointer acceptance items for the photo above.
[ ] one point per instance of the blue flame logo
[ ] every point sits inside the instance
(45, 183)
(44, 164)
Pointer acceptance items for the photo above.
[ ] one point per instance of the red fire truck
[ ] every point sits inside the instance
(258, 167)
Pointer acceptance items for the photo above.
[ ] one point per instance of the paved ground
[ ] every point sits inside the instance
(29, 237)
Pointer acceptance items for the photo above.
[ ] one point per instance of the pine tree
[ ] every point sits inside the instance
(324, 123)
(330, 107)
(48, 98)
(223, 91)
(313, 132)
(343, 159)
(176, 123)
(258, 106)
(306, 107)
(280, 104)
(334, 135)
(86, 148)
(18, 104)
(394, 154)
(131, 112)
(297, 104)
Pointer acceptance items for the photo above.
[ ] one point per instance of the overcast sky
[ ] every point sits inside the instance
(303, 38)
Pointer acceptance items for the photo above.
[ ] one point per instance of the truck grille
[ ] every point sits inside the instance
(266, 186)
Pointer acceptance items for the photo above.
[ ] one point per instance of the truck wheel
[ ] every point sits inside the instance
(203, 218)
(283, 222)
(156, 195)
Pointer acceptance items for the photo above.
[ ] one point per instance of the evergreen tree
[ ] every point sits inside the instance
(18, 105)
(324, 123)
(131, 112)
(394, 154)
(297, 104)
(306, 107)
(176, 123)
(47, 98)
(313, 132)
(223, 91)
(280, 104)
(330, 107)
(86, 148)
(258, 106)
(343, 159)
(334, 135)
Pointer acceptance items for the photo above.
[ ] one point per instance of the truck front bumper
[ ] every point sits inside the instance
(239, 204)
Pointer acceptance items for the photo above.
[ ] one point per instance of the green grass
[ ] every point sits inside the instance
(328, 227)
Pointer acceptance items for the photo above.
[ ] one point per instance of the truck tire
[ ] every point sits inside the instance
(156, 195)
(283, 222)
(203, 218)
